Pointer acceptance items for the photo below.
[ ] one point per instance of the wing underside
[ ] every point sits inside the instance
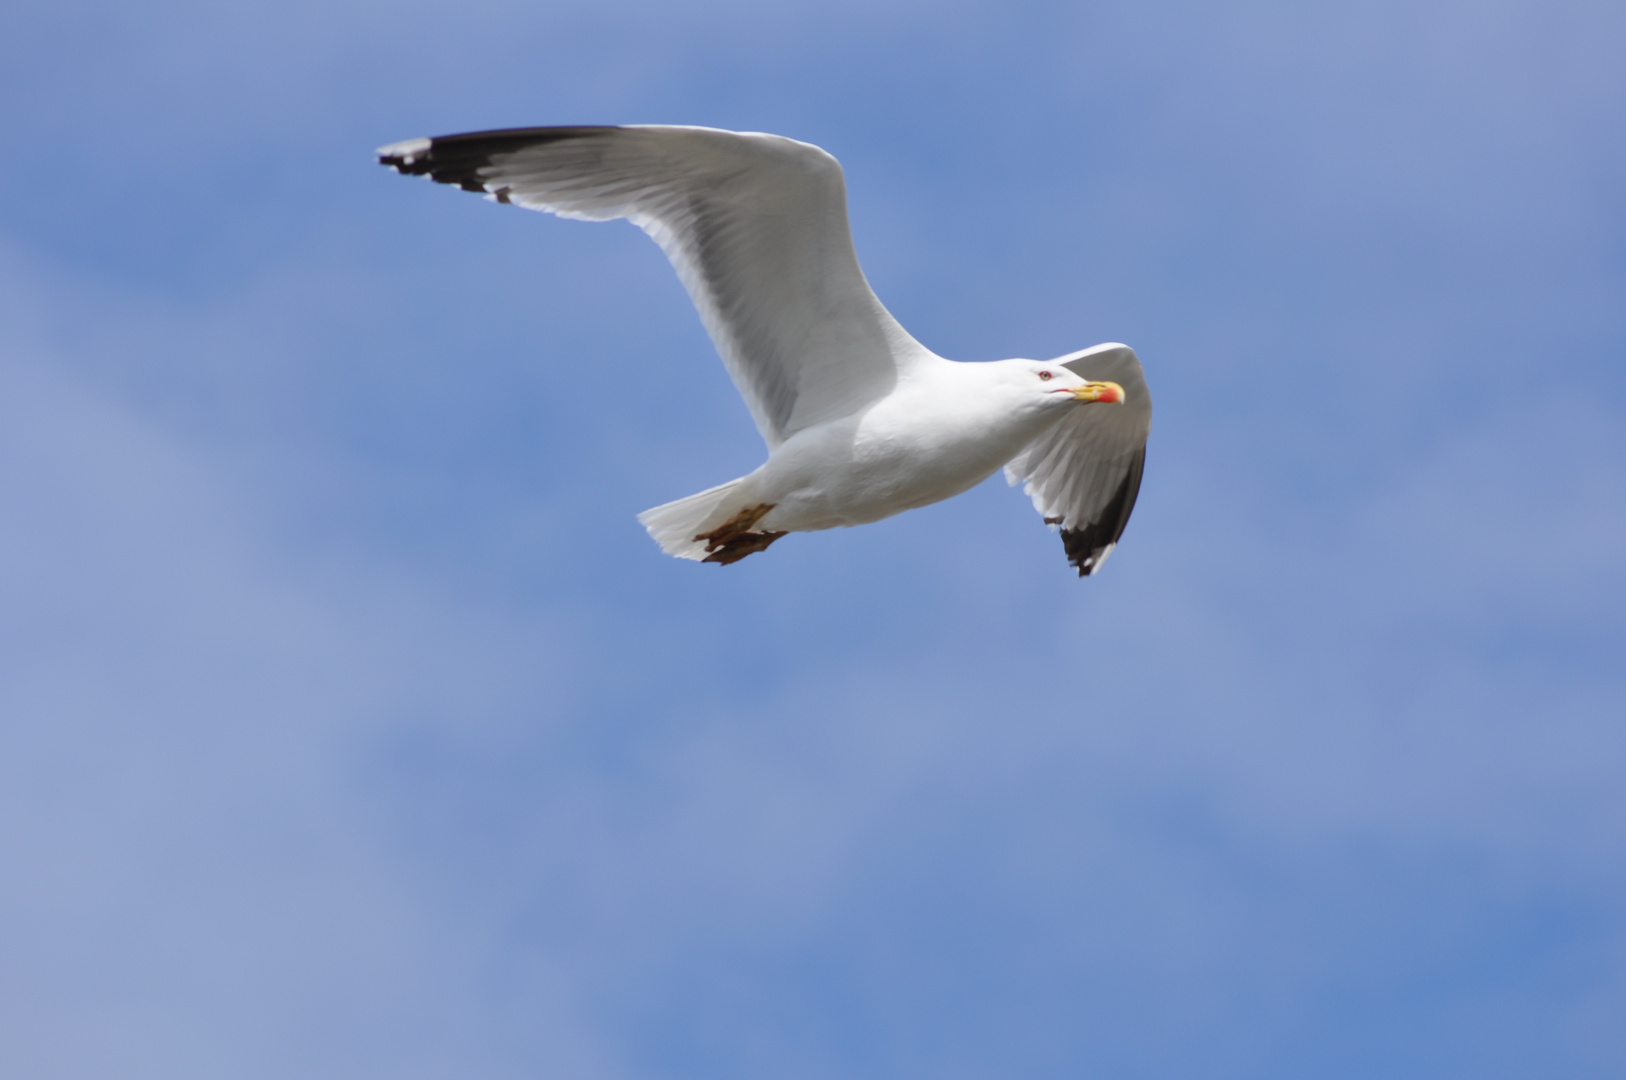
(755, 225)
(1084, 473)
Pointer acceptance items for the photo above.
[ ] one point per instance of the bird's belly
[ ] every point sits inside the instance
(852, 476)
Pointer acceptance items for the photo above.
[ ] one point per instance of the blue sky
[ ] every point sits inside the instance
(351, 727)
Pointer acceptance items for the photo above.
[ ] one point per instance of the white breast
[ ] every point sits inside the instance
(931, 439)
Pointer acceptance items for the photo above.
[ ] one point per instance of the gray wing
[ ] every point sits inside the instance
(756, 226)
(1084, 473)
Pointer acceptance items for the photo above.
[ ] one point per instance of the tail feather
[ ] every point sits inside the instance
(675, 525)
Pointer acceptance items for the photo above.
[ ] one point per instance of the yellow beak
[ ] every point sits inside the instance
(1109, 392)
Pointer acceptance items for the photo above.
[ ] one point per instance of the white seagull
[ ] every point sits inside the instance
(861, 420)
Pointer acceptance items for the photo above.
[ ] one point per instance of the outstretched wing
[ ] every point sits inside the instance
(756, 226)
(1084, 473)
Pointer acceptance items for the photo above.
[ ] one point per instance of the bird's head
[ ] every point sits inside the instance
(1054, 383)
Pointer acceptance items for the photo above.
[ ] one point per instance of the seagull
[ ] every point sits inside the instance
(861, 420)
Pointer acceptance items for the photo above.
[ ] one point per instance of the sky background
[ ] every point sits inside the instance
(351, 727)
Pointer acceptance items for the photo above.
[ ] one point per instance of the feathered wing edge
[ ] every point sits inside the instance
(1088, 547)
(1089, 500)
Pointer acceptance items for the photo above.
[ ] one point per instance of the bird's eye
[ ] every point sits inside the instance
(1045, 375)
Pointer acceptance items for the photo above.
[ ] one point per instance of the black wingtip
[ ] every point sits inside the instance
(1088, 547)
(402, 164)
(458, 159)
(410, 158)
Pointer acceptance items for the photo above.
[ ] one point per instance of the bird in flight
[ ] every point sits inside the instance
(861, 420)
